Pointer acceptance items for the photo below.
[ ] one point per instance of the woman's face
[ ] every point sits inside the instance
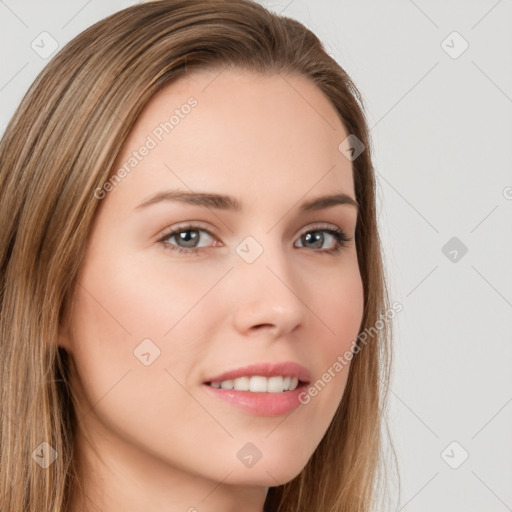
(157, 316)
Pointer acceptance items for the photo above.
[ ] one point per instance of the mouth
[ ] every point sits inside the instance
(264, 389)
(260, 384)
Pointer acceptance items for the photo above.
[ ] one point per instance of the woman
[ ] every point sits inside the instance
(191, 274)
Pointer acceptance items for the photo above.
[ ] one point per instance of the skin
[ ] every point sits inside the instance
(151, 437)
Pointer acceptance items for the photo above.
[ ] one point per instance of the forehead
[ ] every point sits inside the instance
(238, 131)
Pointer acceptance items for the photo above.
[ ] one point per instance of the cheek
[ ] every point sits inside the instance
(136, 326)
(337, 309)
(146, 405)
(126, 300)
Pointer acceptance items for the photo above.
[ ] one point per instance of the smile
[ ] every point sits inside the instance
(259, 384)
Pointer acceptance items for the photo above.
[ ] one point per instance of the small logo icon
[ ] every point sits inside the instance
(454, 45)
(44, 455)
(454, 249)
(249, 455)
(454, 455)
(146, 352)
(44, 45)
(249, 249)
(351, 147)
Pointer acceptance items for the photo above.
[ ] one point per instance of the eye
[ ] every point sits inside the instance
(187, 237)
(317, 238)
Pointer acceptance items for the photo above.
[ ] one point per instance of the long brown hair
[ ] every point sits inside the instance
(61, 145)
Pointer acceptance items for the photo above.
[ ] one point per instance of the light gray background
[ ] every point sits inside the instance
(442, 133)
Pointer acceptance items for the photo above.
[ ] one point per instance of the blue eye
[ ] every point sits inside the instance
(190, 235)
(187, 235)
(317, 235)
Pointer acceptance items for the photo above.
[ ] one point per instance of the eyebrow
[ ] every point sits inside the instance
(224, 202)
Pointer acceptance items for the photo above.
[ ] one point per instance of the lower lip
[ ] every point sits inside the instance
(262, 404)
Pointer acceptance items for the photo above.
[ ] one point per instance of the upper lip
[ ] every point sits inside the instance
(285, 369)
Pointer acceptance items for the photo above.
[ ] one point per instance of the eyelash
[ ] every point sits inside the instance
(340, 236)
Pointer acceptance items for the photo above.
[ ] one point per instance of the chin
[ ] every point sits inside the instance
(266, 475)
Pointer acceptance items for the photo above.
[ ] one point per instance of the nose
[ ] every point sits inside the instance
(268, 296)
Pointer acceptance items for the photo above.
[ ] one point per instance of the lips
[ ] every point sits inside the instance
(283, 369)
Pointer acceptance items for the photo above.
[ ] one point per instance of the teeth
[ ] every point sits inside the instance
(275, 385)
(242, 384)
(259, 384)
(226, 384)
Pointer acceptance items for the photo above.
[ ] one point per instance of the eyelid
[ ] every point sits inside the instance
(321, 226)
(183, 226)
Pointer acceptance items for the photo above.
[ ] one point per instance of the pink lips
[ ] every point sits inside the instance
(262, 404)
(285, 369)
